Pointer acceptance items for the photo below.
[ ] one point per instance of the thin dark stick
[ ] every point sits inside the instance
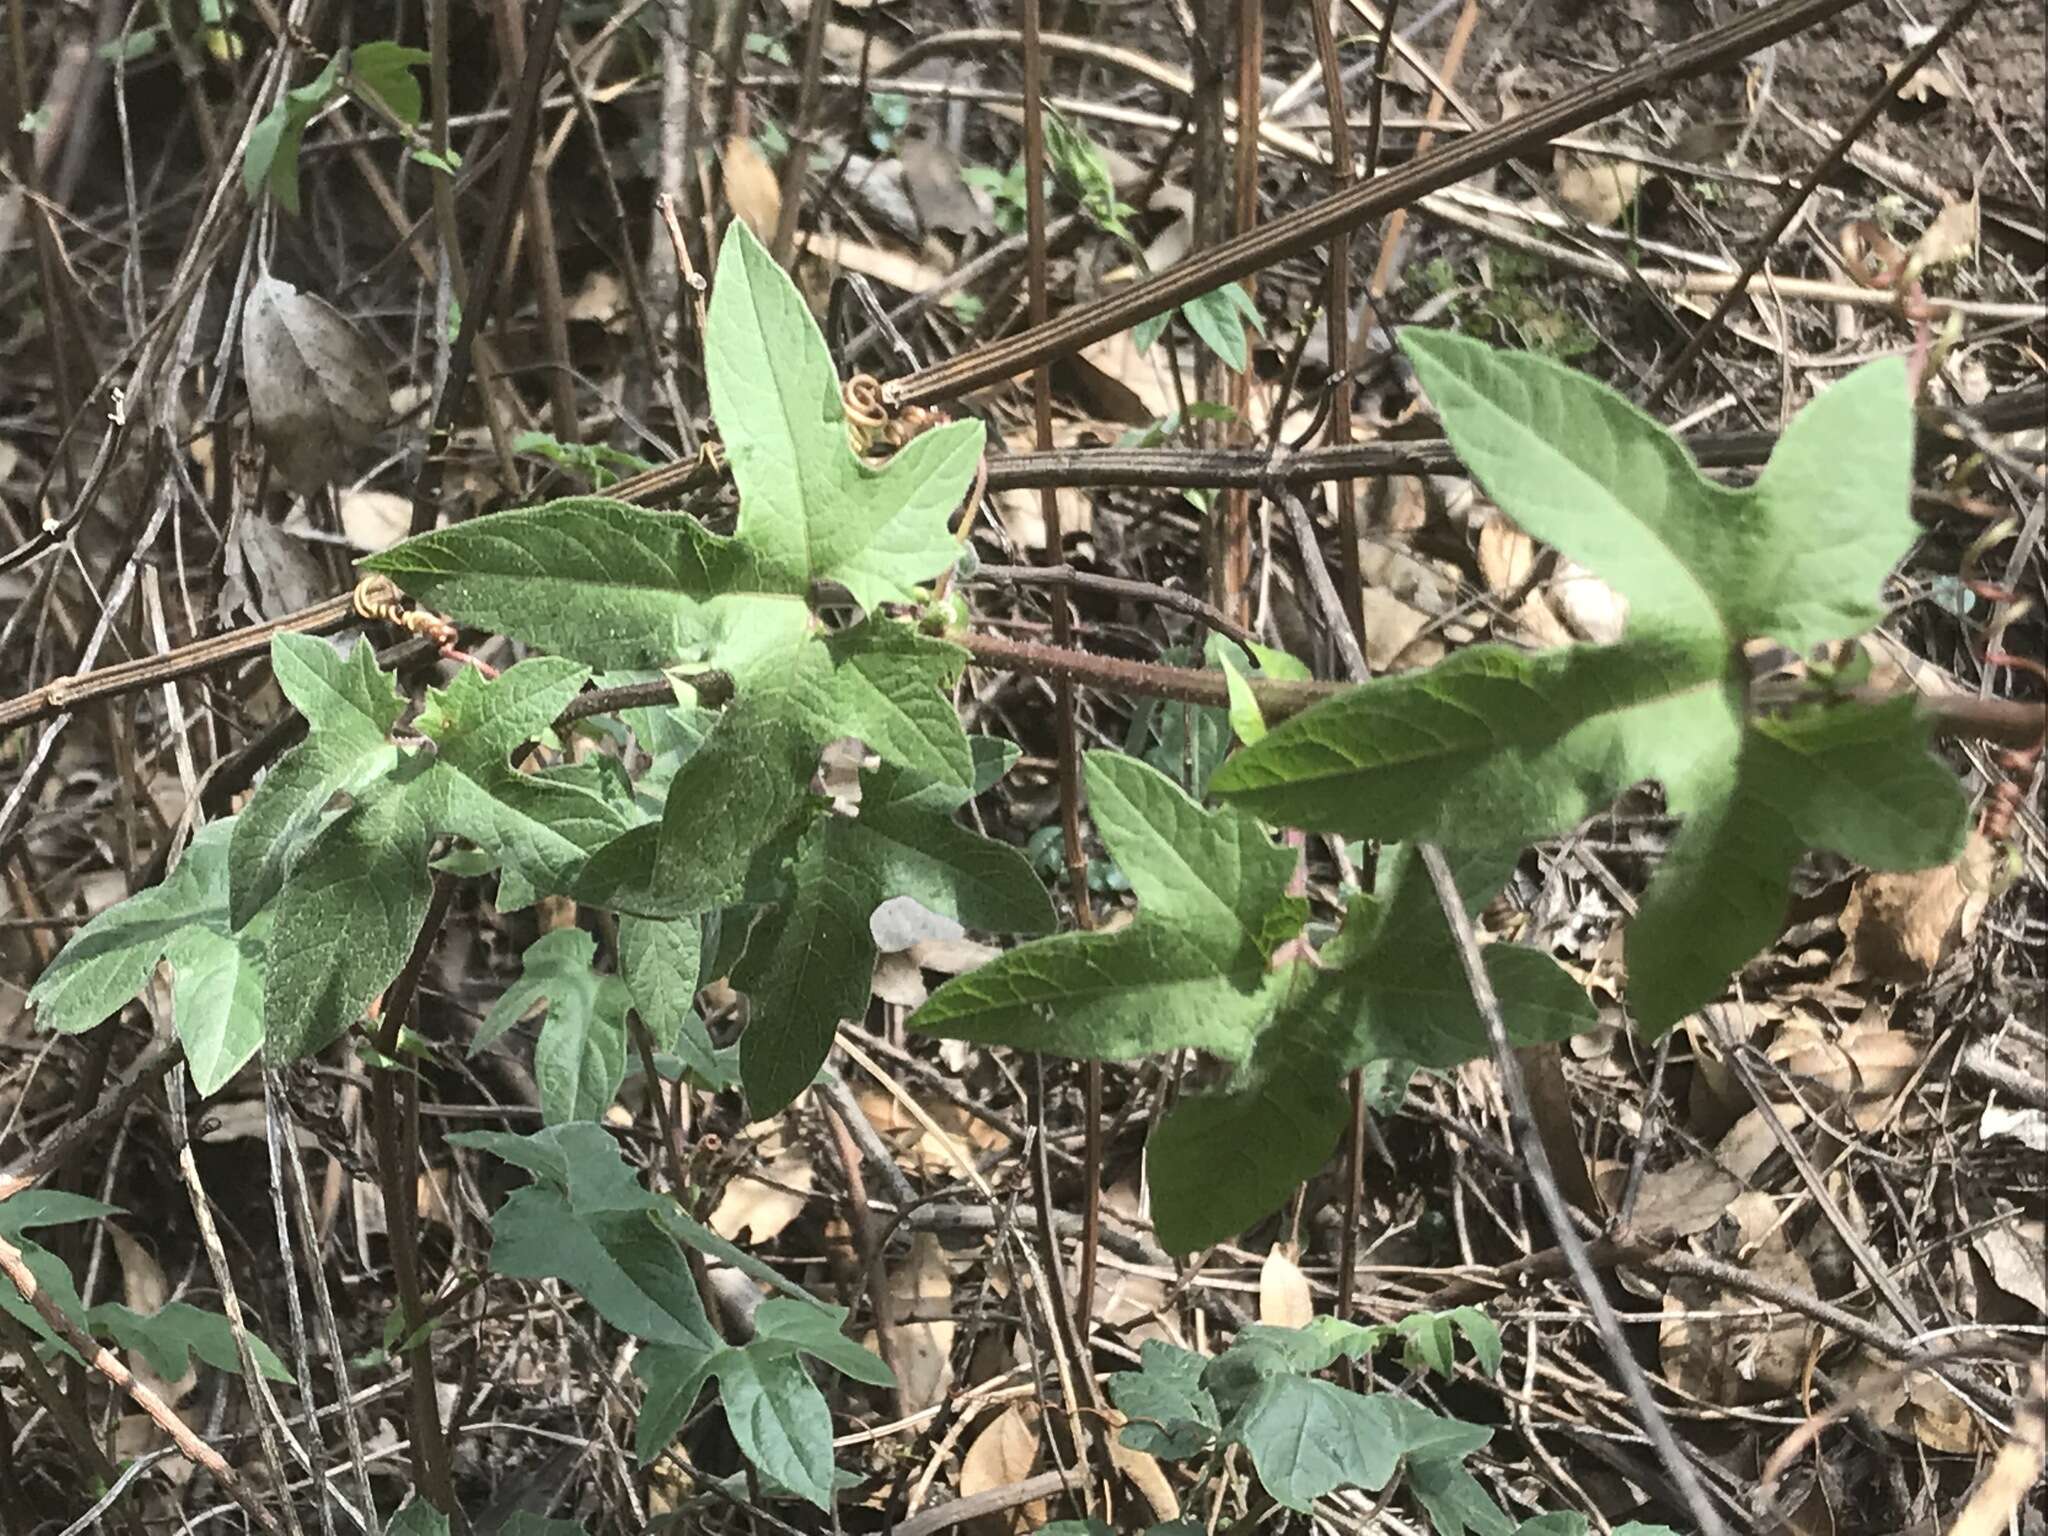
(1309, 227)
(490, 262)
(1068, 735)
(1559, 1215)
(395, 1174)
(1788, 210)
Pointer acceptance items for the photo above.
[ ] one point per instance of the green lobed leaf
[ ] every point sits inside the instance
(354, 900)
(1308, 1437)
(351, 707)
(624, 1265)
(1171, 1413)
(779, 1417)
(1190, 970)
(674, 1376)
(418, 1518)
(662, 961)
(385, 70)
(271, 161)
(783, 1324)
(610, 584)
(579, 1161)
(810, 963)
(1523, 747)
(809, 509)
(579, 1058)
(168, 1338)
(1390, 986)
(217, 977)
(1456, 1502)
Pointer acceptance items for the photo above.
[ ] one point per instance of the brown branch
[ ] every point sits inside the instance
(1308, 227)
(109, 1365)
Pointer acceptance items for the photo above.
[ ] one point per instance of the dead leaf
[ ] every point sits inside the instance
(902, 922)
(1003, 1453)
(1863, 1069)
(2016, 1251)
(374, 520)
(752, 189)
(1123, 384)
(1950, 238)
(600, 301)
(316, 390)
(1506, 556)
(898, 981)
(922, 1289)
(2015, 1470)
(952, 957)
(269, 573)
(1689, 1198)
(895, 268)
(762, 1206)
(1901, 926)
(430, 1197)
(1590, 608)
(1594, 188)
(1148, 1477)
(937, 190)
(1394, 639)
(1730, 1348)
(1285, 1300)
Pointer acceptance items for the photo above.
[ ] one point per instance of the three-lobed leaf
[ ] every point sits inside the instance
(1196, 967)
(217, 974)
(808, 966)
(1496, 746)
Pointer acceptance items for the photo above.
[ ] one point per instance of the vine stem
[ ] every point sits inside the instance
(1521, 1118)
(1068, 737)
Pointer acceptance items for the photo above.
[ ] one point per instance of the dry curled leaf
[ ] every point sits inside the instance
(921, 1291)
(1597, 189)
(316, 390)
(1901, 926)
(762, 1205)
(752, 189)
(1004, 1453)
(1284, 1297)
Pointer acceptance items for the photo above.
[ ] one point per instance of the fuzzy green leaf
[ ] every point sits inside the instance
(217, 976)
(580, 1057)
(810, 966)
(1191, 970)
(385, 70)
(809, 508)
(779, 1417)
(1498, 746)
(356, 897)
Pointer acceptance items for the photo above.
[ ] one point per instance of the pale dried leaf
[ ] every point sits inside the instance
(1901, 926)
(1594, 188)
(898, 981)
(1590, 608)
(1003, 1453)
(1688, 1198)
(1506, 556)
(937, 190)
(752, 189)
(922, 1289)
(1285, 1300)
(952, 957)
(600, 301)
(903, 922)
(2015, 1252)
(374, 520)
(316, 390)
(892, 267)
(1950, 237)
(762, 1206)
